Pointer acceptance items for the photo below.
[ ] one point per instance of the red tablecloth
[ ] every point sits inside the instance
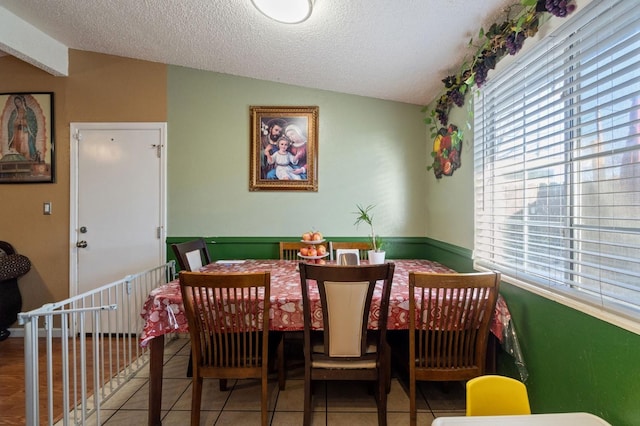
(163, 311)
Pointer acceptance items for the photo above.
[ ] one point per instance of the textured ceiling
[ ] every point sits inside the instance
(388, 49)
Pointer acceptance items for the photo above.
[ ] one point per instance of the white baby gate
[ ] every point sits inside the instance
(94, 339)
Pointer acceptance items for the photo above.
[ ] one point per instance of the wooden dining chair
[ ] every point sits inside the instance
(191, 255)
(348, 256)
(496, 396)
(361, 246)
(228, 316)
(449, 321)
(346, 349)
(289, 250)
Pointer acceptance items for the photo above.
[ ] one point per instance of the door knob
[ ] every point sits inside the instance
(81, 244)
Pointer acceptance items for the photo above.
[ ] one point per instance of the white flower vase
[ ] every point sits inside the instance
(376, 257)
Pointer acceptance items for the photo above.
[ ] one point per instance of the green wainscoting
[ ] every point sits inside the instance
(267, 248)
(575, 362)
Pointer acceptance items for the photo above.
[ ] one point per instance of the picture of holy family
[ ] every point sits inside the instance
(284, 148)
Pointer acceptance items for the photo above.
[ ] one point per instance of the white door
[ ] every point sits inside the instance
(117, 201)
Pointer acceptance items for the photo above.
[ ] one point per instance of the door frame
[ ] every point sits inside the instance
(75, 130)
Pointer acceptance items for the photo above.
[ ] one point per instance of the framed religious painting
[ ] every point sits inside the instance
(27, 153)
(284, 148)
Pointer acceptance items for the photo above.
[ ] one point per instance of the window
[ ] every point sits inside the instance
(557, 163)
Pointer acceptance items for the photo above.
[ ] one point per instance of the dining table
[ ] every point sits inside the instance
(163, 312)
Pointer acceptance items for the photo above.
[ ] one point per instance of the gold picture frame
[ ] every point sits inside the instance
(284, 148)
(27, 152)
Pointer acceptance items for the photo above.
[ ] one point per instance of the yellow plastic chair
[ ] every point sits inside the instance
(496, 396)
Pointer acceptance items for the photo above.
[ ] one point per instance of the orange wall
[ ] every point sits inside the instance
(100, 88)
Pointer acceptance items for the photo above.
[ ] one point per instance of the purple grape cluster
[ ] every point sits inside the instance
(456, 97)
(514, 42)
(449, 81)
(560, 8)
(481, 73)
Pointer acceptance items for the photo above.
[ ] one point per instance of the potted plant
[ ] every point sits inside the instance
(376, 254)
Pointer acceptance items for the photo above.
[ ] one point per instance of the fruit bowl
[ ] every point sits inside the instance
(312, 241)
(313, 257)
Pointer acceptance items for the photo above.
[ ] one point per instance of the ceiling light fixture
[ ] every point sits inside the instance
(285, 11)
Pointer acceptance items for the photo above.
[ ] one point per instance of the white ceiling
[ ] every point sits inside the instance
(396, 50)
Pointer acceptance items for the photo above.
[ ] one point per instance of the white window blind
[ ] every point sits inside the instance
(557, 161)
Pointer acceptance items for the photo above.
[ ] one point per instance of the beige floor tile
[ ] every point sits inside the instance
(346, 396)
(352, 419)
(172, 390)
(176, 367)
(398, 399)
(292, 398)
(174, 345)
(421, 403)
(283, 418)
(335, 402)
(212, 397)
(295, 370)
(143, 373)
(123, 394)
(92, 420)
(182, 418)
(236, 418)
(444, 396)
(402, 419)
(128, 418)
(246, 396)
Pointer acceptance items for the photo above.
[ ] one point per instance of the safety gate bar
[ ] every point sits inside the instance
(95, 338)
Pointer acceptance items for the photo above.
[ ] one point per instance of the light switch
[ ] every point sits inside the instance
(46, 208)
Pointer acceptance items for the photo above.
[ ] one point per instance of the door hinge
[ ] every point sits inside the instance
(158, 148)
(159, 232)
(77, 135)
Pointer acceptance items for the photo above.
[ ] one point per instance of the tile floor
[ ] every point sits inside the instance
(336, 403)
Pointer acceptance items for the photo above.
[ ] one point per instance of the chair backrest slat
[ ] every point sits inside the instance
(449, 323)
(228, 316)
(289, 250)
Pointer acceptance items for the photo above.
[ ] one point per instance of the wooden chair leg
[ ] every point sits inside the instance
(196, 398)
(381, 399)
(264, 401)
(190, 365)
(307, 398)
(412, 398)
(387, 366)
(282, 373)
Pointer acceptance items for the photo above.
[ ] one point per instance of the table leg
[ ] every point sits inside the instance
(156, 355)
(491, 364)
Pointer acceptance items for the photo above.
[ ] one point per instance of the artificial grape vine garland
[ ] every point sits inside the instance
(500, 40)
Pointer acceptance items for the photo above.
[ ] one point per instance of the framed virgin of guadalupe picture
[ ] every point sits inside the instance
(284, 148)
(26, 138)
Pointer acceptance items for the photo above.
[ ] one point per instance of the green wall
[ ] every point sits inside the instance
(576, 362)
(370, 152)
